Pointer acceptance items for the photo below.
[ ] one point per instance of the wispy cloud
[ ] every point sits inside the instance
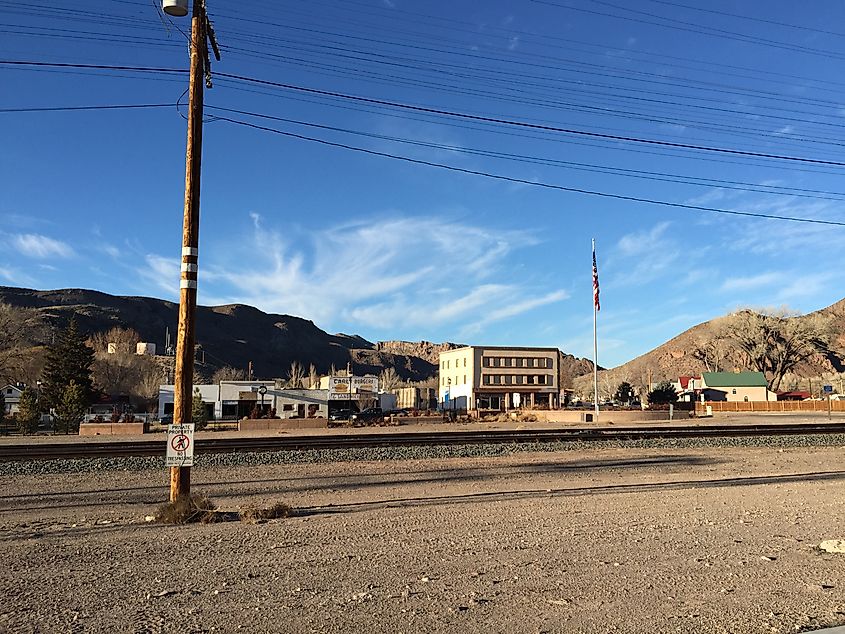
(513, 43)
(162, 273)
(753, 282)
(35, 245)
(380, 272)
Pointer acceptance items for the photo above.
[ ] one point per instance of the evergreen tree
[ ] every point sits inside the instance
(69, 360)
(199, 415)
(71, 409)
(29, 412)
(624, 393)
(662, 394)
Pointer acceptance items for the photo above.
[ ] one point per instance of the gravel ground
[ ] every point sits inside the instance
(685, 538)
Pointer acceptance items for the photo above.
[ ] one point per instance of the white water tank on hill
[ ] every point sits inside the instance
(145, 348)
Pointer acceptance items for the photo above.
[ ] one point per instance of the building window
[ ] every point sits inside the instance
(733, 391)
(486, 379)
(550, 363)
(287, 407)
(465, 379)
(465, 365)
(491, 362)
(507, 379)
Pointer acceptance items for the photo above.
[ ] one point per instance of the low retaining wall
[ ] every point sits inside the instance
(274, 424)
(609, 416)
(111, 429)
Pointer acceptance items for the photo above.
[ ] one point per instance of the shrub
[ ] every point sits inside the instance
(188, 510)
(278, 510)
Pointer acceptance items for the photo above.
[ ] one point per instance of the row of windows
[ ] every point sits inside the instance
(444, 365)
(444, 381)
(517, 379)
(518, 362)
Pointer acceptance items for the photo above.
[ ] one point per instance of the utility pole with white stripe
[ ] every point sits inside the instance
(180, 477)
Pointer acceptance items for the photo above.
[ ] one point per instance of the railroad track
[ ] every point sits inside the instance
(156, 447)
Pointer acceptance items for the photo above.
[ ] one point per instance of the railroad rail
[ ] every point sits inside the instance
(156, 447)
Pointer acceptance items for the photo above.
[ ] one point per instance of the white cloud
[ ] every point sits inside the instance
(642, 242)
(162, 273)
(382, 272)
(753, 282)
(35, 245)
(513, 43)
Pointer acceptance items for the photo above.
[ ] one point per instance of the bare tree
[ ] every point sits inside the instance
(228, 373)
(295, 375)
(776, 341)
(118, 370)
(389, 380)
(18, 330)
(313, 377)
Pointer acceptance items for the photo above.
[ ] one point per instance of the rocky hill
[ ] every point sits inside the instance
(233, 335)
(700, 349)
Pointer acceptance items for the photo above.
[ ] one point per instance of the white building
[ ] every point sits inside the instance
(499, 378)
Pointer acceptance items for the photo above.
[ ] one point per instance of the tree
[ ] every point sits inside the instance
(29, 412)
(68, 359)
(199, 415)
(313, 377)
(776, 341)
(388, 380)
(71, 409)
(295, 375)
(19, 328)
(118, 370)
(624, 393)
(663, 393)
(228, 373)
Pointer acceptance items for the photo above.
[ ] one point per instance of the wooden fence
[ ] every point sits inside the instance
(769, 406)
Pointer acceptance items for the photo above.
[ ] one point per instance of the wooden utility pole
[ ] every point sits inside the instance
(180, 477)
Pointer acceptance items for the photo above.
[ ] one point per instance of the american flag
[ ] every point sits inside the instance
(595, 280)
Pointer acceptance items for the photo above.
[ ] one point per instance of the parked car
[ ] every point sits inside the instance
(368, 415)
(398, 412)
(341, 414)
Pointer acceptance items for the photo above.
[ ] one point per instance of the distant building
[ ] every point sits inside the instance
(419, 398)
(794, 395)
(736, 386)
(12, 398)
(143, 347)
(499, 378)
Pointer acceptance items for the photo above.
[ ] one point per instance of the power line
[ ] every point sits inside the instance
(721, 33)
(75, 108)
(441, 112)
(523, 124)
(522, 181)
(748, 17)
(603, 169)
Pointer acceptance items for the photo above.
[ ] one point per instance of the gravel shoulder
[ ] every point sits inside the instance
(680, 539)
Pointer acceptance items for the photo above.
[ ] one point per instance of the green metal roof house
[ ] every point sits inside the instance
(736, 386)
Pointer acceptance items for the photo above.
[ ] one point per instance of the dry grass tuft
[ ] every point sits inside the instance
(188, 510)
(278, 510)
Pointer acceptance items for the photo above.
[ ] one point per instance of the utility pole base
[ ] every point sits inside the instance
(180, 482)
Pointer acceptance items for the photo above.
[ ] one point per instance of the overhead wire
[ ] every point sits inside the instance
(535, 183)
(439, 111)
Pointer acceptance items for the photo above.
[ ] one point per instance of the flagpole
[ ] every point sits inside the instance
(595, 342)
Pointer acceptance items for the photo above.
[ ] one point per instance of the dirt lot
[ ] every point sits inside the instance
(606, 540)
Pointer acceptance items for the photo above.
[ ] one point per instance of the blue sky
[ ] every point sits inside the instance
(391, 249)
